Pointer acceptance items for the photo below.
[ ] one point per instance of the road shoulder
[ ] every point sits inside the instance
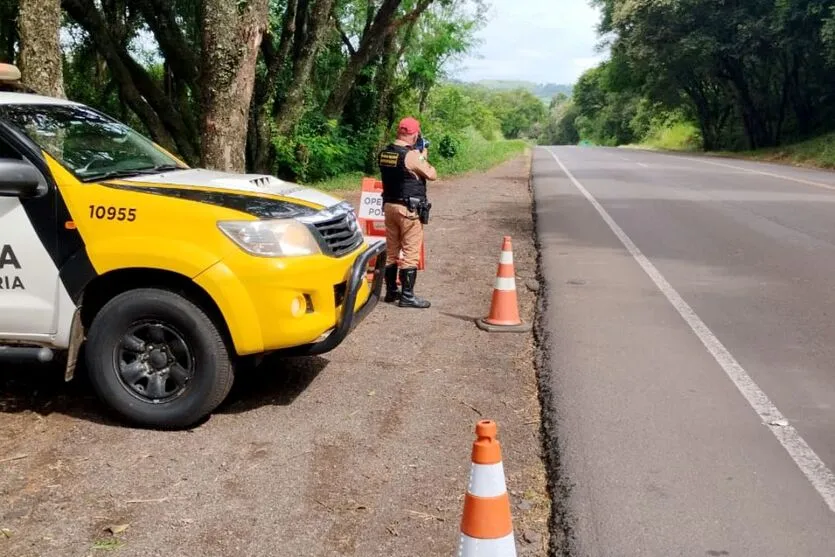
(364, 451)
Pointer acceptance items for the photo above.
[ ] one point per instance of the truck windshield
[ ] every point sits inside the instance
(89, 144)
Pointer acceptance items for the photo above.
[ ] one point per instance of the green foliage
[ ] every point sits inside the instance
(562, 126)
(315, 152)
(519, 111)
(818, 152)
(162, 92)
(446, 32)
(604, 115)
(459, 120)
(678, 136)
(478, 155)
(449, 146)
(754, 72)
(320, 153)
(544, 92)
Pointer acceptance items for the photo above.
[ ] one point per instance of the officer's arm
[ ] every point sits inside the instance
(419, 165)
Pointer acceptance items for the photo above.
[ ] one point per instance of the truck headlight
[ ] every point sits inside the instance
(272, 238)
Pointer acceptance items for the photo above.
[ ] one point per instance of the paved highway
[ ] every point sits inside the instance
(690, 326)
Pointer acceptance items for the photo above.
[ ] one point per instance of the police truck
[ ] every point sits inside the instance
(167, 276)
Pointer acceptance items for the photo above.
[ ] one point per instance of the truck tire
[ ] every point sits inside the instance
(157, 359)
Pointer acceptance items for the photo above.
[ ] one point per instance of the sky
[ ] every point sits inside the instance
(544, 41)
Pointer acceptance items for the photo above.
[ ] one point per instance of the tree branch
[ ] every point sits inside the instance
(347, 41)
(369, 17)
(179, 55)
(422, 6)
(136, 86)
(385, 24)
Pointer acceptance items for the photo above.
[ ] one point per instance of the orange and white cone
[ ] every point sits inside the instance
(487, 525)
(504, 308)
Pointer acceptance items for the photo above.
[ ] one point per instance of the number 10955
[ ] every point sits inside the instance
(112, 213)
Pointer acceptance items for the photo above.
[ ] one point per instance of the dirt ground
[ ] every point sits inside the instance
(364, 451)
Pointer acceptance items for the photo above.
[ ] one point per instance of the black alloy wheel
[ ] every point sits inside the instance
(155, 362)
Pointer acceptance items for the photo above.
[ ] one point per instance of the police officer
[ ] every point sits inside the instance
(404, 171)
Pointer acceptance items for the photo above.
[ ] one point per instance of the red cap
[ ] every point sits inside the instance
(409, 126)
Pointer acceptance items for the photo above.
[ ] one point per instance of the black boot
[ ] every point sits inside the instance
(407, 297)
(392, 294)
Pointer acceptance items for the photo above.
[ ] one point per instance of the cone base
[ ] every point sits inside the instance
(472, 547)
(492, 328)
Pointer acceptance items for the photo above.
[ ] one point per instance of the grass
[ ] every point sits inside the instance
(344, 182)
(476, 155)
(479, 156)
(108, 544)
(817, 152)
(681, 136)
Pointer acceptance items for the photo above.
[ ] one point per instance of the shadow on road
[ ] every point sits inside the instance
(40, 388)
(467, 318)
(275, 382)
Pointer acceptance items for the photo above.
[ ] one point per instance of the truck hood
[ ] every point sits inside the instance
(253, 183)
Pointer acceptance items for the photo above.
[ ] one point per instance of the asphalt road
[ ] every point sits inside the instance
(690, 336)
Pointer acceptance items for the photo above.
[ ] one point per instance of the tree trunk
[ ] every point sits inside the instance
(800, 99)
(317, 25)
(384, 82)
(261, 155)
(40, 54)
(232, 35)
(755, 118)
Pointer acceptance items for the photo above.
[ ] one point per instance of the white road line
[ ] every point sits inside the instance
(806, 459)
(764, 173)
(643, 164)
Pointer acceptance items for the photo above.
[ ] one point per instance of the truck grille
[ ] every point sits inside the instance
(340, 233)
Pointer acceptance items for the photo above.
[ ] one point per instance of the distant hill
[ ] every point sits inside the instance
(544, 91)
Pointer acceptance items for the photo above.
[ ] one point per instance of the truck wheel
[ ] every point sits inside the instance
(157, 359)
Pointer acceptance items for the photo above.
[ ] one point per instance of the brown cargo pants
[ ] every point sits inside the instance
(404, 232)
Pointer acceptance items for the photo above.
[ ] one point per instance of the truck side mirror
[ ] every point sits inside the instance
(19, 179)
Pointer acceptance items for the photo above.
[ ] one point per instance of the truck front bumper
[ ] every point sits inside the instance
(349, 318)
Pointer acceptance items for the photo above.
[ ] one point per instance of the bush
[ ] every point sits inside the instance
(678, 136)
(323, 150)
(449, 146)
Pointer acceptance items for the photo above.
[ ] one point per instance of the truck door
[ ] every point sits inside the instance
(29, 280)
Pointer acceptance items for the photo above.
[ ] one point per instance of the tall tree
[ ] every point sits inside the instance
(275, 51)
(307, 43)
(40, 53)
(445, 32)
(232, 36)
(381, 24)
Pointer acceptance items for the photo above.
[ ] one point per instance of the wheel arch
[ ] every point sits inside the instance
(105, 287)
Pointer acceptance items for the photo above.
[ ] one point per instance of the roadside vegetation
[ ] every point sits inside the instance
(308, 91)
(748, 78)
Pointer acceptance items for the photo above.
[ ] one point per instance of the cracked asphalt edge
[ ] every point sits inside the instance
(559, 487)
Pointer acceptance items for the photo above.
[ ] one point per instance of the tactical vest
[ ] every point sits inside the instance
(398, 181)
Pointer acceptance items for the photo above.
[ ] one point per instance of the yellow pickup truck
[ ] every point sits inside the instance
(167, 275)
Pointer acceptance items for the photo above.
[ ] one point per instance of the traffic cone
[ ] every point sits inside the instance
(504, 309)
(487, 525)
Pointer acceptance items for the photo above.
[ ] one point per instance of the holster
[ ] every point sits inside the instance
(421, 207)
